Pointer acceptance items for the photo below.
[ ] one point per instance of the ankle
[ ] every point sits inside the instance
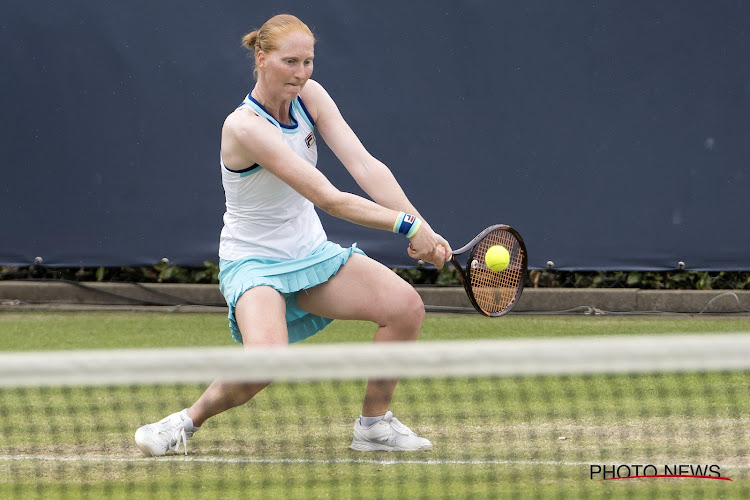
(369, 421)
(195, 423)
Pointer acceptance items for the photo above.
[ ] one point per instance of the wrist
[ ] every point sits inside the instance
(407, 224)
(414, 228)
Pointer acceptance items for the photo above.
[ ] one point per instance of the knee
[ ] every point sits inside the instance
(408, 310)
(416, 308)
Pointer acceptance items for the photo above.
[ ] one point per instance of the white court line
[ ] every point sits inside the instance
(282, 460)
(290, 461)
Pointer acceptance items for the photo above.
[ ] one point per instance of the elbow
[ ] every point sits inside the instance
(331, 202)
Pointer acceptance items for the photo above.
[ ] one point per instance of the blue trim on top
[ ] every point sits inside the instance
(310, 120)
(259, 109)
(276, 122)
(245, 171)
(251, 167)
(256, 168)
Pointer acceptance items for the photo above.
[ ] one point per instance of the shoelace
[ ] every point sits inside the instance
(397, 426)
(178, 436)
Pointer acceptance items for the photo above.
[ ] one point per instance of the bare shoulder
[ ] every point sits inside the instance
(242, 134)
(316, 99)
(243, 125)
(313, 91)
(243, 120)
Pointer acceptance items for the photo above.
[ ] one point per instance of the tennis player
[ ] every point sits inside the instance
(282, 279)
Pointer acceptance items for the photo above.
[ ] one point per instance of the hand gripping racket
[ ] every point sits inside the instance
(493, 293)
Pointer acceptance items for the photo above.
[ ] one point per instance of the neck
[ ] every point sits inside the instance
(276, 107)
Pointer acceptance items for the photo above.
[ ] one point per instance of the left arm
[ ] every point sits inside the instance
(370, 174)
(374, 177)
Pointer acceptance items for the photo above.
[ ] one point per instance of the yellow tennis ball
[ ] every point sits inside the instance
(497, 258)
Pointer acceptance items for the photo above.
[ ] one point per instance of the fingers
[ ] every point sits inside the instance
(429, 248)
(441, 252)
(446, 247)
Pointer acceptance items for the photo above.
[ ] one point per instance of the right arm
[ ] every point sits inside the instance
(248, 139)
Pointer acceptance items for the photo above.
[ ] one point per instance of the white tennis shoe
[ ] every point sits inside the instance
(158, 439)
(387, 435)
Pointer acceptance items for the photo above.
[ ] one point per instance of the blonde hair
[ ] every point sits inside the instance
(267, 37)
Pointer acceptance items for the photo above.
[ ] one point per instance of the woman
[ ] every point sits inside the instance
(283, 281)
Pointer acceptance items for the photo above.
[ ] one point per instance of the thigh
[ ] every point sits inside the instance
(260, 314)
(363, 289)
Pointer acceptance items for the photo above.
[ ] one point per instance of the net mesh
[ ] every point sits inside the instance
(508, 419)
(496, 291)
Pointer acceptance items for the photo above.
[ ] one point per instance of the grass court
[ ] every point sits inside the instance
(509, 437)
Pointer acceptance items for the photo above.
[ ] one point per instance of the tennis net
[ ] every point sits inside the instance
(663, 415)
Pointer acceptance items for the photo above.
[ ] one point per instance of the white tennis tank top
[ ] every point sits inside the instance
(264, 216)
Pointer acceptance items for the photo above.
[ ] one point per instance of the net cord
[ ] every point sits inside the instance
(507, 357)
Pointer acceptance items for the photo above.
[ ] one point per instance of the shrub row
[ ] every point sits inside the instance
(164, 273)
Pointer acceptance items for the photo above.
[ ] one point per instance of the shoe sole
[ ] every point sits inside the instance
(146, 452)
(382, 447)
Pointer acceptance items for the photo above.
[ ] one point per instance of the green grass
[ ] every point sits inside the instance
(79, 330)
(493, 437)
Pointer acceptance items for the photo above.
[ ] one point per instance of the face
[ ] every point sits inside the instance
(286, 70)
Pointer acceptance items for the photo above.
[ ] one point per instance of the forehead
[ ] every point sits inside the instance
(298, 43)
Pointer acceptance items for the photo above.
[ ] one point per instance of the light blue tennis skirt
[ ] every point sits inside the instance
(288, 277)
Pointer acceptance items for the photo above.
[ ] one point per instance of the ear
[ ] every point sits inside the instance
(260, 59)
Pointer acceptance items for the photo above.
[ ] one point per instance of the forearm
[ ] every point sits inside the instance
(378, 182)
(361, 211)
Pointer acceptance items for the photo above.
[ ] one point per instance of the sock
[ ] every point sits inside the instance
(186, 418)
(368, 421)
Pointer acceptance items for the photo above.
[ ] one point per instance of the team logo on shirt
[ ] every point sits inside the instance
(310, 140)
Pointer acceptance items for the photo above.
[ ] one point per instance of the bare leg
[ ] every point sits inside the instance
(364, 289)
(260, 315)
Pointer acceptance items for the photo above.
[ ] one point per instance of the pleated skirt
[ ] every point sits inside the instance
(288, 278)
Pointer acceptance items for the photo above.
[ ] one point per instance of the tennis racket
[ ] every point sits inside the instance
(492, 293)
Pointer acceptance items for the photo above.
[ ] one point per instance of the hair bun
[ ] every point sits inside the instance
(250, 40)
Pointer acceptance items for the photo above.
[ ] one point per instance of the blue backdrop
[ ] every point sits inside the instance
(612, 135)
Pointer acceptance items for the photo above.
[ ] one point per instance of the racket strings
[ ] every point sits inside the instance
(496, 291)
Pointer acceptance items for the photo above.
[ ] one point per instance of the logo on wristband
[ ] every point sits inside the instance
(406, 224)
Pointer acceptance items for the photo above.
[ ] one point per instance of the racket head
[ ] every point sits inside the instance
(494, 293)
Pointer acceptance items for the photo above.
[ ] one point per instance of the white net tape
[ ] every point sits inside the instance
(550, 356)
